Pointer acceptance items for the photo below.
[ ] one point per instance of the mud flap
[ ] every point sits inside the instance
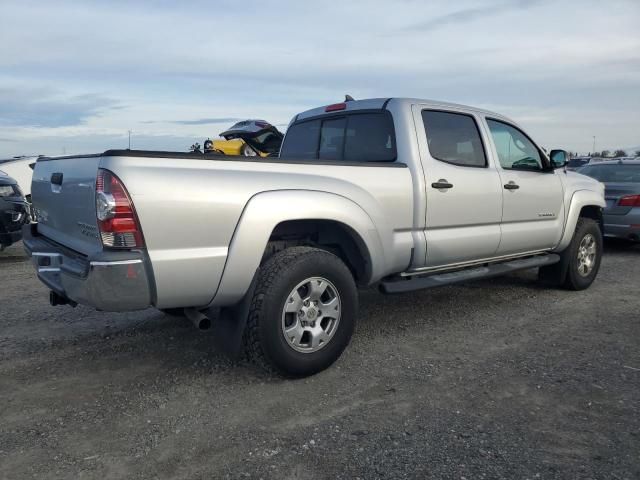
(229, 324)
(554, 275)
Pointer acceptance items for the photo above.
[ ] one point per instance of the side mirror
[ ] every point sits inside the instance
(558, 158)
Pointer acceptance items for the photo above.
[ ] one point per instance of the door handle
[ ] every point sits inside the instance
(511, 185)
(441, 184)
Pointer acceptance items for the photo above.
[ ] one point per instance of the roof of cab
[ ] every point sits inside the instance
(379, 103)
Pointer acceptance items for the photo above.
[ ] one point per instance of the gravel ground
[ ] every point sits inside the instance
(495, 379)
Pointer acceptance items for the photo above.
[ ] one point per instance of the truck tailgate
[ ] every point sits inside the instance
(64, 199)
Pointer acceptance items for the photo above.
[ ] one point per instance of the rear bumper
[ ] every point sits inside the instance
(623, 226)
(111, 281)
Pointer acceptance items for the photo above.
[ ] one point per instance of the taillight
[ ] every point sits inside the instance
(335, 107)
(117, 220)
(629, 201)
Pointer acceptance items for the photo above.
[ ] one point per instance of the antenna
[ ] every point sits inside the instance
(348, 98)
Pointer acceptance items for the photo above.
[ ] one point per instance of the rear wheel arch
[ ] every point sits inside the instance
(274, 211)
(333, 236)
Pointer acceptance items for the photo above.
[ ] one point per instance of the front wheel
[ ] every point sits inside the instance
(580, 261)
(303, 312)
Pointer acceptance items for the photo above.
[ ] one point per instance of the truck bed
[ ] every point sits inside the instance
(189, 206)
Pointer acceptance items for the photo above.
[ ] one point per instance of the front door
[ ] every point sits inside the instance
(533, 207)
(463, 189)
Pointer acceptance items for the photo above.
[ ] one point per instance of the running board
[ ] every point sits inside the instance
(486, 271)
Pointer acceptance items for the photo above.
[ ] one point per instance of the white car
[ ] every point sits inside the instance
(21, 169)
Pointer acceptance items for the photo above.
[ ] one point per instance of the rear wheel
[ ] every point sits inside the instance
(303, 312)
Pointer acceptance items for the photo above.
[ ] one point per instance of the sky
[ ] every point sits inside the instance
(76, 76)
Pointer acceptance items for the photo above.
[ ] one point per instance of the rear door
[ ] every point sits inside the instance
(63, 192)
(533, 206)
(464, 196)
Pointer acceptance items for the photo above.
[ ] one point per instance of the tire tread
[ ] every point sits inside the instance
(273, 268)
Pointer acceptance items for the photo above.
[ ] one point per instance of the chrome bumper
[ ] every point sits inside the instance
(113, 281)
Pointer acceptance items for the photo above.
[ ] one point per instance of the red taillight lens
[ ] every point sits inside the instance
(335, 107)
(629, 201)
(117, 220)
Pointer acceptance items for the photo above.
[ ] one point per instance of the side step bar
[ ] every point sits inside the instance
(486, 271)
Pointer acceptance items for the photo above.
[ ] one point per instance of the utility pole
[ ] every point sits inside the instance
(130, 139)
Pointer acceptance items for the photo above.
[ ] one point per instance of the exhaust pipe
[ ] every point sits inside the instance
(199, 320)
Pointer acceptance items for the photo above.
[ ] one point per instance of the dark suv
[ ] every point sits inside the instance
(14, 211)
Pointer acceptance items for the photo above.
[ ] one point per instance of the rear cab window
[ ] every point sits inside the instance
(354, 137)
(454, 138)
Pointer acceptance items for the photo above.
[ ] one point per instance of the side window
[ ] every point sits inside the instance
(454, 138)
(301, 141)
(515, 150)
(332, 139)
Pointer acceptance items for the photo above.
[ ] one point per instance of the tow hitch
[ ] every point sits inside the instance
(56, 299)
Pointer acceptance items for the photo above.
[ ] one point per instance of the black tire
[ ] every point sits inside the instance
(264, 341)
(247, 151)
(565, 273)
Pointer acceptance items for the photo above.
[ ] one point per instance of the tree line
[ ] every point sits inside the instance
(606, 154)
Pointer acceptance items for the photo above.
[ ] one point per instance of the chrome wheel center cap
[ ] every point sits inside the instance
(311, 314)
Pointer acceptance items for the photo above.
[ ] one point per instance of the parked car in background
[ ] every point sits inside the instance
(576, 162)
(14, 211)
(21, 169)
(403, 194)
(249, 138)
(621, 180)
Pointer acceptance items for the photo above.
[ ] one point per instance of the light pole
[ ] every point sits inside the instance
(130, 139)
(594, 145)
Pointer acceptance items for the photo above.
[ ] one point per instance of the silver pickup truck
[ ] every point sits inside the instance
(401, 194)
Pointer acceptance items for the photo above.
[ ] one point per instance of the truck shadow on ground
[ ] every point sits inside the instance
(170, 343)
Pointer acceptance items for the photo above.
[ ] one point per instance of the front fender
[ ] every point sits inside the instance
(579, 200)
(265, 211)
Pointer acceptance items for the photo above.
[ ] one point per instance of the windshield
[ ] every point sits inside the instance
(613, 173)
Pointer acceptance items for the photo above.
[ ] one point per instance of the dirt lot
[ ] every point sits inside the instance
(497, 379)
